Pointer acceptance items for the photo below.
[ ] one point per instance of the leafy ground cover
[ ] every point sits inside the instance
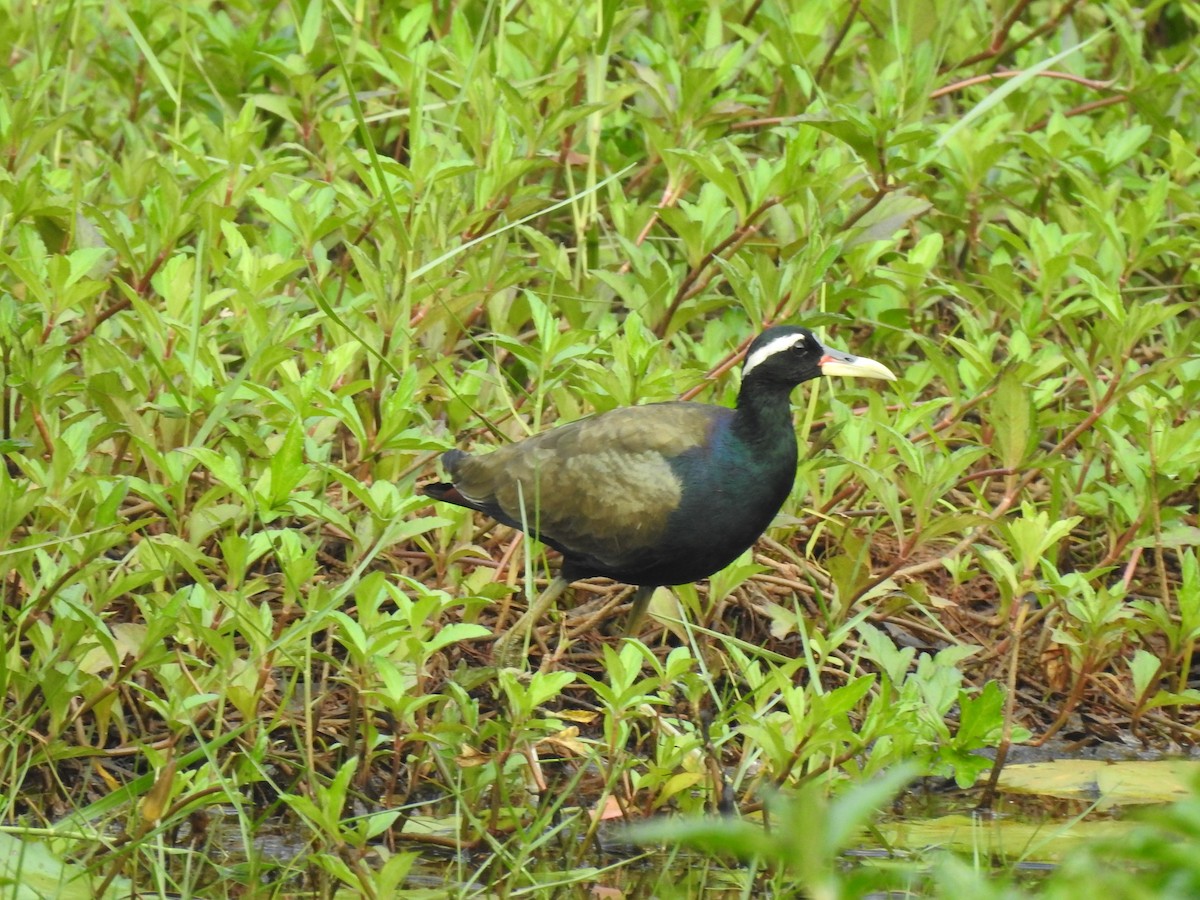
(260, 264)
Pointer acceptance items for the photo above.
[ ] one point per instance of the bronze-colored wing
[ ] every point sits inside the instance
(602, 486)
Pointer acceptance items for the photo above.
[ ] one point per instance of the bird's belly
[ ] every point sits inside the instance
(701, 539)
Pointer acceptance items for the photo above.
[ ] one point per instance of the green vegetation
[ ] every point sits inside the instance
(259, 264)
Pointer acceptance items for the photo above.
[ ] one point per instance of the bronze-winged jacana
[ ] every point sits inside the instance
(662, 494)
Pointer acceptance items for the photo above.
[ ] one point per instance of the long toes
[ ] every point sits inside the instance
(509, 650)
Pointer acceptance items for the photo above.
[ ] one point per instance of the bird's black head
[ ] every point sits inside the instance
(788, 355)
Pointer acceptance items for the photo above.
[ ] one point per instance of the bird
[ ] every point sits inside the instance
(654, 495)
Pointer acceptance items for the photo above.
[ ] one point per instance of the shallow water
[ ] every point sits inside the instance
(1045, 807)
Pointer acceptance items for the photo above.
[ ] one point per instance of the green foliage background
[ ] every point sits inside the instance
(258, 263)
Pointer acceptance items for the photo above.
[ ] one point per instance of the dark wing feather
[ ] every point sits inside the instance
(602, 487)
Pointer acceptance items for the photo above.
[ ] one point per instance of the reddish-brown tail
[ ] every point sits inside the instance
(444, 490)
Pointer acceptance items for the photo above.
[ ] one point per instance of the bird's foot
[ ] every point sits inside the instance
(509, 650)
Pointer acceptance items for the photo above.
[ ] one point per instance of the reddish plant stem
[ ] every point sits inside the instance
(739, 236)
(1084, 108)
(837, 41)
(996, 76)
(999, 47)
(989, 792)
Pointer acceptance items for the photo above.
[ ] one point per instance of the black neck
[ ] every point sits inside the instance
(764, 415)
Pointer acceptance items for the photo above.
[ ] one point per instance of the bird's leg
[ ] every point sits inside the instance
(641, 601)
(512, 646)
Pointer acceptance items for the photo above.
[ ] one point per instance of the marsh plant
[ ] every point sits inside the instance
(260, 264)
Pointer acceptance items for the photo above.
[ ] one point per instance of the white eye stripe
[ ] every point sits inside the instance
(779, 345)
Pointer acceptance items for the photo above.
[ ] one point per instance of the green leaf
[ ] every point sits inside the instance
(894, 212)
(310, 26)
(31, 869)
(1145, 668)
(1013, 418)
